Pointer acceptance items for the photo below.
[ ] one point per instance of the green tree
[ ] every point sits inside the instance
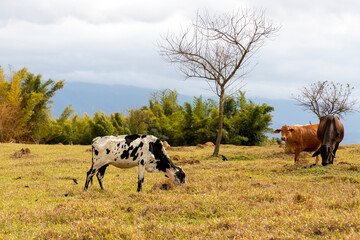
(165, 114)
(250, 123)
(139, 120)
(38, 117)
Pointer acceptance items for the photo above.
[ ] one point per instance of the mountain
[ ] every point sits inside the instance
(89, 98)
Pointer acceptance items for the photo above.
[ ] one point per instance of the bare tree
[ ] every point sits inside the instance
(323, 98)
(218, 49)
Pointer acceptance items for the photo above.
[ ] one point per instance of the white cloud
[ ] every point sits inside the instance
(114, 42)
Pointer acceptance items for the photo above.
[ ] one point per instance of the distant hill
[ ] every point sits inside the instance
(89, 98)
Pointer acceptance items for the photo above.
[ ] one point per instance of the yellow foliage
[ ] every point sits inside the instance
(3, 85)
(11, 112)
(14, 95)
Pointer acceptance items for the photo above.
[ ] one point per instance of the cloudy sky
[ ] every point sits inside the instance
(114, 42)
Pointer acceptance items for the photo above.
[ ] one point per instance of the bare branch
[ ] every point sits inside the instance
(218, 48)
(323, 98)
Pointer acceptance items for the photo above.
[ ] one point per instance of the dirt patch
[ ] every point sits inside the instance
(175, 157)
(209, 144)
(281, 155)
(292, 167)
(189, 161)
(261, 185)
(68, 178)
(180, 149)
(304, 161)
(166, 145)
(24, 152)
(166, 185)
(340, 179)
(352, 167)
(65, 160)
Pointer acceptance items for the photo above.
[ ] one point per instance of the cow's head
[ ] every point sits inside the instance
(165, 164)
(327, 154)
(286, 132)
(179, 176)
(176, 174)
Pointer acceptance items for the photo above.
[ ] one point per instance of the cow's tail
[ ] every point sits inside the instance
(92, 154)
(92, 160)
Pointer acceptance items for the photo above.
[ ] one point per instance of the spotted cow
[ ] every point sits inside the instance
(127, 151)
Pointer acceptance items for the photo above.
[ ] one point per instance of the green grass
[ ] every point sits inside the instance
(258, 194)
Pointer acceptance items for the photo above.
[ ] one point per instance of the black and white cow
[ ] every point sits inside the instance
(126, 151)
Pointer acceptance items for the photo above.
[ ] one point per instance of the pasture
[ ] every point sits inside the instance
(258, 194)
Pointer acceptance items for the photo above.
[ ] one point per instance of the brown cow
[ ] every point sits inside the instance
(330, 133)
(300, 138)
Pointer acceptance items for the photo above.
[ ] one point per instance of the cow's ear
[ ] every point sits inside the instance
(316, 153)
(277, 131)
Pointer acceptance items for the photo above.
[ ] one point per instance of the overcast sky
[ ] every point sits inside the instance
(114, 42)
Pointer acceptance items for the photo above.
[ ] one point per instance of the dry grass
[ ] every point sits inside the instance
(258, 194)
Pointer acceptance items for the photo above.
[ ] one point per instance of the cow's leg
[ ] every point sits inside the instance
(333, 156)
(97, 164)
(89, 177)
(316, 161)
(141, 175)
(297, 155)
(100, 175)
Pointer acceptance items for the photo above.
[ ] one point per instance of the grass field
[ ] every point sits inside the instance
(258, 194)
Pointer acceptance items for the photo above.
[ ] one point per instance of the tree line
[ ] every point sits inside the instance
(25, 116)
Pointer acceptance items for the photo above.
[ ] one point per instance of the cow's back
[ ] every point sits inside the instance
(330, 127)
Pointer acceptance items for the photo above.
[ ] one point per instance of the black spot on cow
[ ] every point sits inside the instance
(142, 162)
(96, 152)
(143, 136)
(130, 138)
(107, 151)
(126, 153)
(163, 162)
(135, 153)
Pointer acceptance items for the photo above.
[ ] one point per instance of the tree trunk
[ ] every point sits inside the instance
(221, 113)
